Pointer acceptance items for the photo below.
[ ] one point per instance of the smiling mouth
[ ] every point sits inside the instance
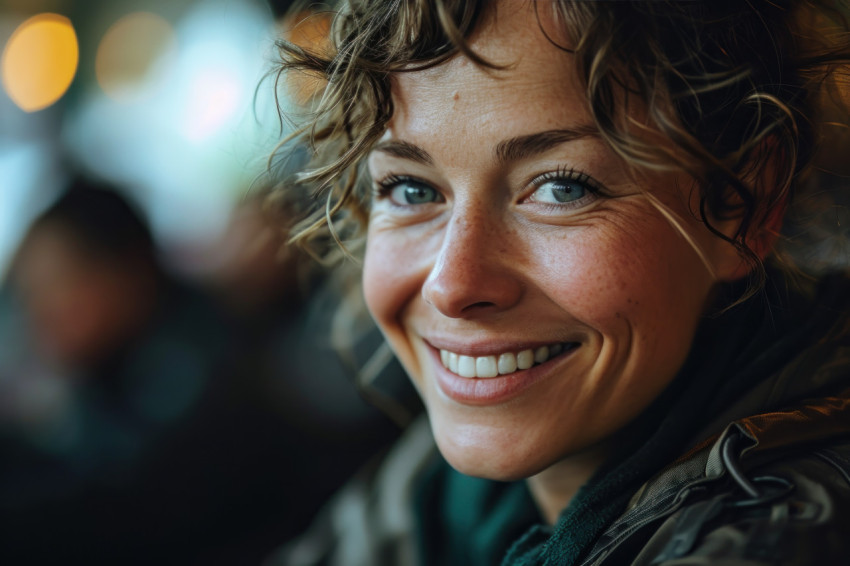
(502, 364)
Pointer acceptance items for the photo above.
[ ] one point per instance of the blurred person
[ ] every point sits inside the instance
(88, 276)
(123, 354)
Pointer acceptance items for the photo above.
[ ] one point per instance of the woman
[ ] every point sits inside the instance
(571, 211)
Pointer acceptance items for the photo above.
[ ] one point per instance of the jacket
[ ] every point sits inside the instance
(763, 478)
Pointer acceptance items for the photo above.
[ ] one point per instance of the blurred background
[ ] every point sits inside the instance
(169, 393)
(155, 95)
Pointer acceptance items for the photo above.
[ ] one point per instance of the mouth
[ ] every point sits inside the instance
(502, 364)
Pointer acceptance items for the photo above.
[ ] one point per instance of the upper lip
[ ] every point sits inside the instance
(480, 347)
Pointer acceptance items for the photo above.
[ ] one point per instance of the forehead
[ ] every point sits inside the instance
(536, 88)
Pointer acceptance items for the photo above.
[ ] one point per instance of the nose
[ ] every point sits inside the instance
(472, 275)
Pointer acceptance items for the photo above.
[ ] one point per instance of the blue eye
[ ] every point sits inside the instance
(560, 191)
(406, 191)
(563, 188)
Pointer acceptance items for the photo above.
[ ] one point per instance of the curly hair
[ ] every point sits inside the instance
(732, 85)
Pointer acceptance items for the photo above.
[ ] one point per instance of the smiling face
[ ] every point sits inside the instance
(536, 296)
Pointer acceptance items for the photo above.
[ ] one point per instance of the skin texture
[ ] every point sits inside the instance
(487, 264)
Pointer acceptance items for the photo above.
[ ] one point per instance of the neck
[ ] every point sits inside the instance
(554, 487)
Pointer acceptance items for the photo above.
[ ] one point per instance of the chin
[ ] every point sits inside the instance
(491, 454)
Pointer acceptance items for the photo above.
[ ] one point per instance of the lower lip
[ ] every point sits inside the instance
(493, 390)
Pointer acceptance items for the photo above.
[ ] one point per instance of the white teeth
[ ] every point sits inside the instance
(507, 363)
(525, 359)
(503, 364)
(466, 366)
(486, 367)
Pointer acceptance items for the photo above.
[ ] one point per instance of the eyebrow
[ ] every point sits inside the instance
(523, 147)
(513, 149)
(405, 150)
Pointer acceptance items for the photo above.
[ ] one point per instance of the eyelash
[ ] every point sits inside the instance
(569, 174)
(386, 184)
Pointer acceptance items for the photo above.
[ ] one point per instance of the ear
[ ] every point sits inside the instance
(768, 232)
(761, 241)
(769, 186)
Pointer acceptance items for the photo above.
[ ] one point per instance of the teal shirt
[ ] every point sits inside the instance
(467, 521)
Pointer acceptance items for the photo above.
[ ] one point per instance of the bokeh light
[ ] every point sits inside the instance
(128, 51)
(40, 61)
(214, 89)
(310, 31)
(194, 133)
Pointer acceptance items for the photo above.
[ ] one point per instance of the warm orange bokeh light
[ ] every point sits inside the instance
(40, 61)
(128, 50)
(310, 31)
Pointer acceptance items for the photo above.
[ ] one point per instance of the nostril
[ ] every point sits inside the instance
(479, 305)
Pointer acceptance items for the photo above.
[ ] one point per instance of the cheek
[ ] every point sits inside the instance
(638, 275)
(378, 279)
(390, 280)
(392, 283)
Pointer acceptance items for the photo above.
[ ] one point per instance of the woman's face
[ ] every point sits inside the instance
(509, 243)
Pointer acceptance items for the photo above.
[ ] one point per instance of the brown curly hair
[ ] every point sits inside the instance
(733, 86)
